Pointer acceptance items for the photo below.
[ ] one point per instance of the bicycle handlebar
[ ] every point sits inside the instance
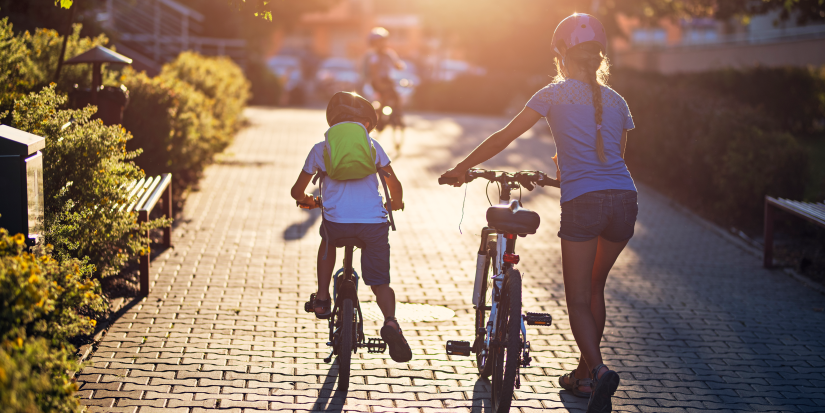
(527, 179)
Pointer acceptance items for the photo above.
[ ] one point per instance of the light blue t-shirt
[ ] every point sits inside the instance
(356, 201)
(568, 107)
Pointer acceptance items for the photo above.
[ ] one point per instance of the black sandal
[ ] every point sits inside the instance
(314, 303)
(604, 389)
(399, 348)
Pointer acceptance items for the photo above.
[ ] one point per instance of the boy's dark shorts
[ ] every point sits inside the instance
(610, 214)
(375, 257)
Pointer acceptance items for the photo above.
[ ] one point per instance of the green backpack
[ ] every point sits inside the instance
(348, 152)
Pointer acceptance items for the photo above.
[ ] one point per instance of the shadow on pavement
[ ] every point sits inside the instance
(572, 403)
(330, 398)
(299, 230)
(481, 397)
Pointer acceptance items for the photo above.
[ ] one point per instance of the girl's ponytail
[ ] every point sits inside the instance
(599, 110)
(588, 57)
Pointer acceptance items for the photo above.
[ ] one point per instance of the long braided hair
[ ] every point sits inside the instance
(588, 58)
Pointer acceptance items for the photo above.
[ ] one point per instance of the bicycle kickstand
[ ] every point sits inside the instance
(328, 358)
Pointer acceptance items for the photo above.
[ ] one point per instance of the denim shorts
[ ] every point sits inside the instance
(610, 214)
(375, 257)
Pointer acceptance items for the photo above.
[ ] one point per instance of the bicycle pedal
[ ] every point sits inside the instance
(538, 319)
(375, 345)
(309, 305)
(458, 348)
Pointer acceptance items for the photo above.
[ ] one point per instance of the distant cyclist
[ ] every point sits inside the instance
(378, 64)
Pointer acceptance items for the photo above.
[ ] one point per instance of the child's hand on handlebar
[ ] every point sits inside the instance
(397, 205)
(457, 173)
(309, 202)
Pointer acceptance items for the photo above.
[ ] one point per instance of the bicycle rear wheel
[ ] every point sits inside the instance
(345, 348)
(485, 367)
(508, 351)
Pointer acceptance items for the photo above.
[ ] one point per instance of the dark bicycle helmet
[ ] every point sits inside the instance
(346, 105)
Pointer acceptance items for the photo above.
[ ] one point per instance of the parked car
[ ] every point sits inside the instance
(288, 69)
(447, 70)
(336, 74)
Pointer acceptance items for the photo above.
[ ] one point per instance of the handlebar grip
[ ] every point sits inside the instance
(447, 181)
(549, 182)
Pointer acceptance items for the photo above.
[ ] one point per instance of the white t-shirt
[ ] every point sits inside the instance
(356, 201)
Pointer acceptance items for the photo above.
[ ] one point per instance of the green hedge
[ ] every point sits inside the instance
(185, 116)
(265, 86)
(793, 96)
(173, 125)
(220, 80)
(33, 377)
(40, 299)
(181, 118)
(708, 150)
(86, 167)
(487, 95)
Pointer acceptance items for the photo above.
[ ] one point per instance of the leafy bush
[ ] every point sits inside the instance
(39, 302)
(221, 80)
(265, 86)
(184, 116)
(488, 94)
(793, 96)
(86, 167)
(711, 152)
(173, 125)
(41, 296)
(33, 377)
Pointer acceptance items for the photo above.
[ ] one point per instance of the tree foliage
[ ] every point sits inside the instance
(803, 11)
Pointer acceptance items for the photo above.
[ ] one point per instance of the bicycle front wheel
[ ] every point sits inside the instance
(508, 339)
(345, 348)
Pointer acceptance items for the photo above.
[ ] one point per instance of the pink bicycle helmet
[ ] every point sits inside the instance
(577, 29)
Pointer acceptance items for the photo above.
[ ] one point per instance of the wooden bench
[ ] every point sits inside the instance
(814, 212)
(148, 191)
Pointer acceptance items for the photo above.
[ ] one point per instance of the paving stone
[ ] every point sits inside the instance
(694, 323)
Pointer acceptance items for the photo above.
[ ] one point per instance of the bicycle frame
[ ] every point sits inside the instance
(505, 244)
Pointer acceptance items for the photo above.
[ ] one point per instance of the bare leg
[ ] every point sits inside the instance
(606, 254)
(325, 268)
(385, 297)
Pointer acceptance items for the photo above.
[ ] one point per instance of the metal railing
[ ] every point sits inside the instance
(162, 29)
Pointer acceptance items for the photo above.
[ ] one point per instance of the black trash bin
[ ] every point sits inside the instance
(111, 102)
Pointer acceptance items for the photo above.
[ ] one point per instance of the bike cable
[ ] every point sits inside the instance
(487, 192)
(466, 185)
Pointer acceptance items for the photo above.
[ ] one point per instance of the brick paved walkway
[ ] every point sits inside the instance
(694, 323)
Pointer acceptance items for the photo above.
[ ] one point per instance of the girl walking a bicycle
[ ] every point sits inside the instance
(589, 122)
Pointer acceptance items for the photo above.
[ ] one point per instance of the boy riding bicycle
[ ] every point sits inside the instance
(378, 65)
(352, 208)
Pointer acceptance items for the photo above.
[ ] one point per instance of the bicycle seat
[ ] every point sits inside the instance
(512, 219)
(349, 242)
